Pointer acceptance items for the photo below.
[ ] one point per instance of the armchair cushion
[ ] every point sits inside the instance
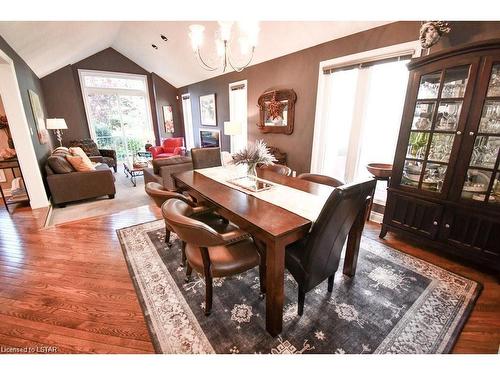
(87, 145)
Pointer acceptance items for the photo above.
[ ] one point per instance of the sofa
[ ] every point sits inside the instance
(164, 168)
(68, 185)
(169, 147)
(96, 154)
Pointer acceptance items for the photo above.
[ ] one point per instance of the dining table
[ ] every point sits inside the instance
(272, 225)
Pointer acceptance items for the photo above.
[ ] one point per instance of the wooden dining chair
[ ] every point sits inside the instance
(278, 168)
(206, 157)
(316, 257)
(321, 179)
(210, 252)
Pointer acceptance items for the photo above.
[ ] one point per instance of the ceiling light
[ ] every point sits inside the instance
(164, 37)
(249, 32)
(154, 46)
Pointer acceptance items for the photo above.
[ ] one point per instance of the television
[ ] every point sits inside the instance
(209, 138)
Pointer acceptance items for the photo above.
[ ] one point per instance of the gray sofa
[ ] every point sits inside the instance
(164, 168)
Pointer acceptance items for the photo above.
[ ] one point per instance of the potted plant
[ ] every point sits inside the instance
(253, 154)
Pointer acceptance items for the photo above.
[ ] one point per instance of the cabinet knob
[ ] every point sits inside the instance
(471, 133)
(459, 132)
(447, 226)
(435, 223)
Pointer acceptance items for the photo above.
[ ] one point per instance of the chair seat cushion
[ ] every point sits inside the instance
(109, 161)
(225, 260)
(165, 155)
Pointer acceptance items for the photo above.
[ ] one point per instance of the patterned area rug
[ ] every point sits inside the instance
(395, 304)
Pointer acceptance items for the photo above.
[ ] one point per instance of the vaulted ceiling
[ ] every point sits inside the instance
(48, 46)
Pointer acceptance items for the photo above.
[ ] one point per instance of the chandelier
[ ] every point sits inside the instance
(249, 32)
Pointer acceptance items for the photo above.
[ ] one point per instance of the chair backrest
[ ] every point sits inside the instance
(321, 179)
(177, 212)
(169, 144)
(278, 168)
(160, 195)
(87, 145)
(326, 240)
(206, 157)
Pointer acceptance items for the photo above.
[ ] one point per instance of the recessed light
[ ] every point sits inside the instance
(164, 37)
(154, 46)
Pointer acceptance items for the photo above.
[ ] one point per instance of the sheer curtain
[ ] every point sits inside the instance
(188, 121)
(238, 113)
(359, 122)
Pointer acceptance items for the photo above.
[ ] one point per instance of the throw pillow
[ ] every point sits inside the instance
(77, 151)
(59, 164)
(79, 163)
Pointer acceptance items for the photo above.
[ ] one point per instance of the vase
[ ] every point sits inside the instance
(252, 169)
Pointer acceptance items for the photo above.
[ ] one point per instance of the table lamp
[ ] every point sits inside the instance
(232, 128)
(57, 124)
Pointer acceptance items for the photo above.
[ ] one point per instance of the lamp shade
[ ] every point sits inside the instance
(232, 128)
(56, 123)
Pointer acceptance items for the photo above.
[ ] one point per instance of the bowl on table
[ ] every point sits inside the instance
(380, 170)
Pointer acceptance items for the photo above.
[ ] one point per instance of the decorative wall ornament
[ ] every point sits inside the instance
(432, 31)
(277, 111)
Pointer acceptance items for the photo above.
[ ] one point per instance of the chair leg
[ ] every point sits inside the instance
(208, 294)
(167, 237)
(330, 283)
(189, 271)
(300, 302)
(183, 261)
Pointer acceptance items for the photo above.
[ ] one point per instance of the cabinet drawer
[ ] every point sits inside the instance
(414, 215)
(472, 232)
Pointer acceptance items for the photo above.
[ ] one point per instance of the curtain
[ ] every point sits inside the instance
(358, 120)
(238, 113)
(188, 122)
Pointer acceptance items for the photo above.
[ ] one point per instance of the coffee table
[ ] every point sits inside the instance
(134, 171)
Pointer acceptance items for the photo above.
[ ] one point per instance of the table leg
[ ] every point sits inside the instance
(275, 274)
(133, 178)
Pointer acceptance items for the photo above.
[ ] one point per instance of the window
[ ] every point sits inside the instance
(358, 115)
(188, 121)
(118, 111)
(238, 113)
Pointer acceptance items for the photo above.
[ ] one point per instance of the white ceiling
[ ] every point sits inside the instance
(48, 46)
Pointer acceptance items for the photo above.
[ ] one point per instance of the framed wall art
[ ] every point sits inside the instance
(168, 119)
(36, 107)
(208, 110)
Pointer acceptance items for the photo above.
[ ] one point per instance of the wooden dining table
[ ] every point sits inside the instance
(271, 224)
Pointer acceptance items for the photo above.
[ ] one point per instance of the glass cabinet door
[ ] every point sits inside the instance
(482, 181)
(434, 127)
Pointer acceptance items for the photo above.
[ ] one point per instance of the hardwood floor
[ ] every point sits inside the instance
(69, 286)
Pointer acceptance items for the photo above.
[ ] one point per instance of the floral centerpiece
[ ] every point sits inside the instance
(253, 154)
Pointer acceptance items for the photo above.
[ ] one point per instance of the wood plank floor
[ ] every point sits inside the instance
(69, 286)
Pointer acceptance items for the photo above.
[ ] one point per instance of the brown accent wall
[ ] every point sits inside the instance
(64, 96)
(299, 71)
(166, 94)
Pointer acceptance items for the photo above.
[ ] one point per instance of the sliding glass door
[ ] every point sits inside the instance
(118, 111)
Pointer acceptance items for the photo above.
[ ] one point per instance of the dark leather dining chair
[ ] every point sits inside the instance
(206, 157)
(321, 179)
(204, 213)
(317, 256)
(212, 253)
(278, 168)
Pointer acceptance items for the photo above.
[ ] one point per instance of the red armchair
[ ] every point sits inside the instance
(170, 147)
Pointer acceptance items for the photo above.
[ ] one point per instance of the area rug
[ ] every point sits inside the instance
(394, 304)
(127, 196)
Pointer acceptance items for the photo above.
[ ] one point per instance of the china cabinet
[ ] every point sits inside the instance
(445, 185)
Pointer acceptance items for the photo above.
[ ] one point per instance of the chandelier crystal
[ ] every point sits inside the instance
(249, 33)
